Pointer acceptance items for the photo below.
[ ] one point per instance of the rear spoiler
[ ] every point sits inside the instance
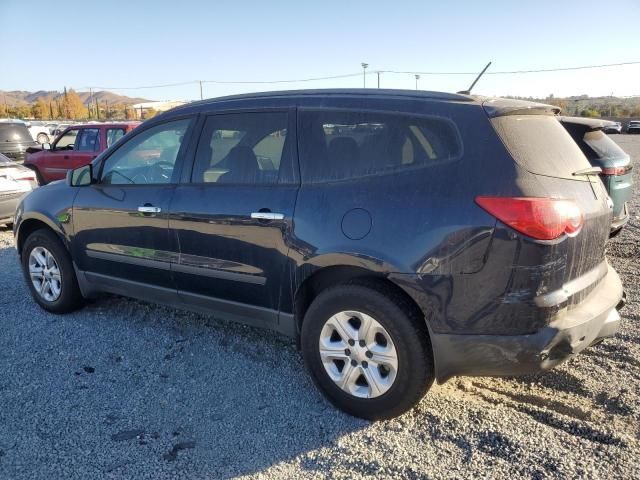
(499, 107)
(591, 124)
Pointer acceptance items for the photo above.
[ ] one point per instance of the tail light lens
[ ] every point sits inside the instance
(539, 218)
(615, 170)
(29, 176)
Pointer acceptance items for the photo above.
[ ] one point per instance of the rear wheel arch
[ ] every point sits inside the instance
(327, 277)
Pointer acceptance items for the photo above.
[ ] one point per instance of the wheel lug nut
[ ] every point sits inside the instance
(365, 364)
(352, 342)
(353, 363)
(363, 343)
(369, 354)
(347, 352)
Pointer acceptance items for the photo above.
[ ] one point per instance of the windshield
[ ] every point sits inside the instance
(602, 147)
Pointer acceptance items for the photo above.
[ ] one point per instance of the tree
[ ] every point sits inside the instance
(590, 112)
(150, 113)
(40, 110)
(73, 107)
(130, 113)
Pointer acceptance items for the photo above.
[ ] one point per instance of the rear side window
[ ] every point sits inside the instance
(540, 144)
(113, 135)
(89, 140)
(241, 148)
(339, 145)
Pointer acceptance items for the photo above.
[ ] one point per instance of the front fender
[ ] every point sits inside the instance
(50, 206)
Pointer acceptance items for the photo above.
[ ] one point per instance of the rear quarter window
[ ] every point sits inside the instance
(341, 145)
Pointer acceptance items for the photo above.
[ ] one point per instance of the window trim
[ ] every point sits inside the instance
(289, 160)
(302, 110)
(183, 151)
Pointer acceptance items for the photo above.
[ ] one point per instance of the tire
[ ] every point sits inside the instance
(407, 333)
(68, 296)
(42, 138)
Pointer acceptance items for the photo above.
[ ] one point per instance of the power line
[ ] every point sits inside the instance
(349, 75)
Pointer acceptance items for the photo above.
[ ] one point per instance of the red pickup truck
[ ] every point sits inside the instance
(76, 146)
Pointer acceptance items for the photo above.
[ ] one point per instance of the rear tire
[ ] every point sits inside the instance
(401, 335)
(42, 138)
(49, 273)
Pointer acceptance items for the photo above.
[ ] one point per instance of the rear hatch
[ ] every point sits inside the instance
(539, 144)
(603, 152)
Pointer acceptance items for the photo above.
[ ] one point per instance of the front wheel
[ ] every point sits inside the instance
(49, 273)
(367, 351)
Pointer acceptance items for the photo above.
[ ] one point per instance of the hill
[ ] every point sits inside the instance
(22, 97)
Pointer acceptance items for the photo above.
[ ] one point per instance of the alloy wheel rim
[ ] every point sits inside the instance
(358, 354)
(45, 274)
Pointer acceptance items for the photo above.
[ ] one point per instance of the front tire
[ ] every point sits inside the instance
(367, 350)
(49, 273)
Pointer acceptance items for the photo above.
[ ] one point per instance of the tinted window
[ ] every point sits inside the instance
(14, 132)
(340, 145)
(67, 140)
(242, 148)
(540, 144)
(113, 135)
(147, 158)
(89, 140)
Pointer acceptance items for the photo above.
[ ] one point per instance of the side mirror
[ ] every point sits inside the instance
(80, 177)
(46, 146)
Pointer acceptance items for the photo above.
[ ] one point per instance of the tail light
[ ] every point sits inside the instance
(28, 176)
(539, 218)
(616, 170)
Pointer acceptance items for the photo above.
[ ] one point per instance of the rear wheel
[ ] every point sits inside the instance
(42, 138)
(367, 351)
(49, 273)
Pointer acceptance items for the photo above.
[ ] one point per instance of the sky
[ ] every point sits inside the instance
(115, 44)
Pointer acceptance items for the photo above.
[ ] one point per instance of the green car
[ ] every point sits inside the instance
(603, 152)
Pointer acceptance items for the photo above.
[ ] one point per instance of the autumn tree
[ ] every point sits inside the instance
(72, 106)
(40, 110)
(150, 113)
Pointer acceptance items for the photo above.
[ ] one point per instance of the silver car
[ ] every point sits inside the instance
(15, 182)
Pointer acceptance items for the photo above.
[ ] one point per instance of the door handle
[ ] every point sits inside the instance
(149, 209)
(66, 157)
(267, 215)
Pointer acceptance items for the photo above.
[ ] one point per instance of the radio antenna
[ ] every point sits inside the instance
(468, 91)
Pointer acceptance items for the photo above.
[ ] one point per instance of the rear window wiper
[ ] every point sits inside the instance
(588, 171)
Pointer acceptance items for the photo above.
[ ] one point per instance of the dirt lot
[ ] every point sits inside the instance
(123, 389)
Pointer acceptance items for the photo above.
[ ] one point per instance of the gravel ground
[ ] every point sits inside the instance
(124, 389)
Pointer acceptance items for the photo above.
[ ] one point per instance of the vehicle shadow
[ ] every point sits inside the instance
(122, 385)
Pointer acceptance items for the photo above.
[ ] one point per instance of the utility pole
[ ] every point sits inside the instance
(364, 74)
(417, 78)
(200, 81)
(378, 72)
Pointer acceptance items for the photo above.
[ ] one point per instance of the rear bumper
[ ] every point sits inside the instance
(502, 355)
(621, 220)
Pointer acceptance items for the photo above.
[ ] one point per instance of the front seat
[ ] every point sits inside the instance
(243, 166)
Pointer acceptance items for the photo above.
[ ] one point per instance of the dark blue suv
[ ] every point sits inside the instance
(401, 237)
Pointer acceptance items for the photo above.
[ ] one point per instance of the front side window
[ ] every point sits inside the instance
(147, 158)
(68, 140)
(113, 135)
(241, 148)
(89, 140)
(339, 145)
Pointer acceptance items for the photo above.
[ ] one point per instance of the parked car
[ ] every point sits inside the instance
(603, 152)
(75, 147)
(15, 182)
(633, 126)
(435, 235)
(15, 139)
(612, 127)
(39, 132)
